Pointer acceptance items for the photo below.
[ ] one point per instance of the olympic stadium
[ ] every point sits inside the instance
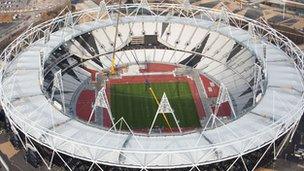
(153, 86)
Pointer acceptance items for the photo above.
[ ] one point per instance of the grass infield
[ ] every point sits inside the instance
(135, 103)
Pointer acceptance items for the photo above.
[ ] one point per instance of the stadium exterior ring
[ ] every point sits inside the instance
(274, 115)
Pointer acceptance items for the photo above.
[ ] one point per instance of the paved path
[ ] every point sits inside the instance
(202, 94)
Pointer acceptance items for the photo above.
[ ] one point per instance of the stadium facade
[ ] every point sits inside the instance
(258, 70)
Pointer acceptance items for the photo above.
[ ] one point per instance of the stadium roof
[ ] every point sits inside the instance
(31, 112)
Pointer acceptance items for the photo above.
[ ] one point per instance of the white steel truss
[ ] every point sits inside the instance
(164, 107)
(46, 35)
(254, 32)
(58, 86)
(41, 63)
(69, 19)
(102, 101)
(191, 155)
(224, 96)
(258, 82)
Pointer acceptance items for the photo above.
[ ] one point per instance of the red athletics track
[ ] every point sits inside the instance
(84, 104)
(155, 67)
(212, 90)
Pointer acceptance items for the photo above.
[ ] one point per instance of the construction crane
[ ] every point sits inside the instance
(113, 68)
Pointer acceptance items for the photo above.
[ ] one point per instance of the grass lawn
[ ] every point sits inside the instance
(135, 103)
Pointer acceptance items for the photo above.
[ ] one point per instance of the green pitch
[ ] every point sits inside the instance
(135, 103)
